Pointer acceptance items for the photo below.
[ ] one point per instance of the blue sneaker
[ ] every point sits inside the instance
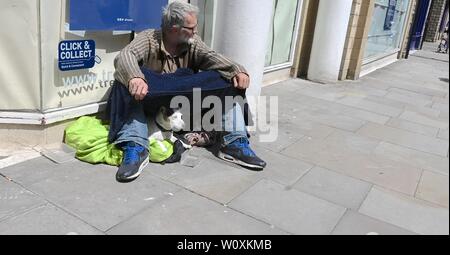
(239, 152)
(135, 159)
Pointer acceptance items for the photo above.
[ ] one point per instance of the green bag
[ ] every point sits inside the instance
(90, 139)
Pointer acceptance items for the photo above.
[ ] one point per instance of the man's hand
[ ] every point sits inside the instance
(241, 81)
(138, 88)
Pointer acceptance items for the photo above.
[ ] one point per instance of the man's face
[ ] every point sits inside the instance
(187, 32)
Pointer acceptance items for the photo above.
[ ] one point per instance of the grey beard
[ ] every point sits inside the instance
(189, 41)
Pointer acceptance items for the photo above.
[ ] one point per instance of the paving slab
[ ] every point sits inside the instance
(405, 138)
(289, 209)
(334, 187)
(353, 155)
(443, 107)
(331, 119)
(444, 116)
(433, 187)
(427, 112)
(167, 171)
(441, 100)
(412, 79)
(282, 169)
(46, 220)
(411, 94)
(216, 180)
(14, 199)
(285, 88)
(354, 223)
(364, 104)
(362, 88)
(429, 53)
(286, 136)
(15, 157)
(366, 115)
(413, 127)
(327, 114)
(424, 120)
(32, 171)
(309, 128)
(91, 192)
(443, 134)
(186, 213)
(413, 158)
(323, 91)
(339, 109)
(405, 212)
(410, 86)
(403, 97)
(404, 106)
(373, 82)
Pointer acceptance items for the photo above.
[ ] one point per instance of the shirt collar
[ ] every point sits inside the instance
(163, 48)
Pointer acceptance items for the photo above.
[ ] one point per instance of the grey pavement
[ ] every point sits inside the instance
(351, 158)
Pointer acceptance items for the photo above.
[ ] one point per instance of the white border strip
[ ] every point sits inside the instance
(51, 116)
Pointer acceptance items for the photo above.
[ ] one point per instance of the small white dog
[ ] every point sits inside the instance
(165, 123)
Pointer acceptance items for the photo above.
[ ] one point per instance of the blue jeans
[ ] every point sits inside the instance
(136, 130)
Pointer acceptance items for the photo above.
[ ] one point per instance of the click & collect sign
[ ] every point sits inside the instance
(77, 54)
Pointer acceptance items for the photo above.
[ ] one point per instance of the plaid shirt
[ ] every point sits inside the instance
(148, 50)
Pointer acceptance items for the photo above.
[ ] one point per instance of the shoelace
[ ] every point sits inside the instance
(243, 145)
(131, 154)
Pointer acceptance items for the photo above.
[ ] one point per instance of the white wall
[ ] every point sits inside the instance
(19, 51)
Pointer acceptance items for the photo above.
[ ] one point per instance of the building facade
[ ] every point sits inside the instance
(437, 20)
(376, 34)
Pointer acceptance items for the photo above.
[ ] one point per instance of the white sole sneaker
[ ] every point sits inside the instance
(141, 168)
(232, 159)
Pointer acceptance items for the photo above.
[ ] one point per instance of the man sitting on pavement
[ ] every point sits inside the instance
(176, 45)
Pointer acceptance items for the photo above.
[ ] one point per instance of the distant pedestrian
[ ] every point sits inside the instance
(443, 45)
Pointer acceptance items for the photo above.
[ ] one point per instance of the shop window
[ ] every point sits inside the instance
(387, 27)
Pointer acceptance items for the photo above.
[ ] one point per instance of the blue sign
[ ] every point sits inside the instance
(126, 15)
(73, 55)
(390, 14)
